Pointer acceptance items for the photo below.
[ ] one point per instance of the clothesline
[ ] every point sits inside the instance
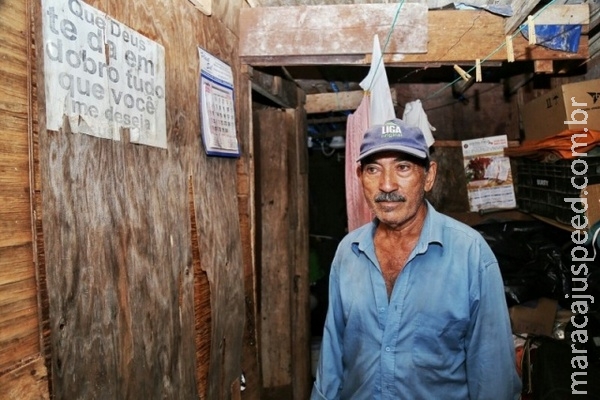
(502, 45)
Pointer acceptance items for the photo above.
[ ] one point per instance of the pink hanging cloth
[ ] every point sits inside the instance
(375, 108)
(356, 206)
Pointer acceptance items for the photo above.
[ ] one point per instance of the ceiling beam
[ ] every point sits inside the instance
(454, 37)
(332, 29)
(340, 101)
(280, 91)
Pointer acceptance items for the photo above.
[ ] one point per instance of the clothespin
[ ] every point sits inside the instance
(463, 74)
(478, 70)
(531, 29)
(510, 50)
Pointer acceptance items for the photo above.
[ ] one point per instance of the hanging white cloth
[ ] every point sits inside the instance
(378, 88)
(415, 115)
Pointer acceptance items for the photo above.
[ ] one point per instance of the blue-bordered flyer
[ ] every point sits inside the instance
(217, 107)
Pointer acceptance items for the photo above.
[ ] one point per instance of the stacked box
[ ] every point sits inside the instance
(570, 106)
(542, 187)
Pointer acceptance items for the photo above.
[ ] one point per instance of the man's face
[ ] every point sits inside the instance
(394, 186)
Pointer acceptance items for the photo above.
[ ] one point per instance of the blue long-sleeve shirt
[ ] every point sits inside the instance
(444, 334)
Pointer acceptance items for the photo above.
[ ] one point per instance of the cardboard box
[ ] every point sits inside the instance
(534, 318)
(546, 115)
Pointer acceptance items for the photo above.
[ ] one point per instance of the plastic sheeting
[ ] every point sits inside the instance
(556, 37)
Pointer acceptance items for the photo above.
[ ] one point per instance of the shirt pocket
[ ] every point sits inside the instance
(438, 343)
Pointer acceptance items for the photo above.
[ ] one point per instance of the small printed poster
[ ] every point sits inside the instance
(217, 107)
(489, 178)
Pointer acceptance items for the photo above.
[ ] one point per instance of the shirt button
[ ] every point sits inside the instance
(381, 309)
(387, 349)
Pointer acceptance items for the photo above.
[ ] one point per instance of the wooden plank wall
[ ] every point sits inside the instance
(275, 262)
(23, 374)
(299, 254)
(246, 205)
(282, 190)
(118, 261)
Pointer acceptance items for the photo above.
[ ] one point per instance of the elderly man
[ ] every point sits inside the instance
(416, 300)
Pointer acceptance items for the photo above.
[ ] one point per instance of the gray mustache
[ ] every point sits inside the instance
(387, 197)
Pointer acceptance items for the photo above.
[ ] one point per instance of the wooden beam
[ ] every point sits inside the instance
(461, 37)
(332, 29)
(281, 91)
(342, 101)
(455, 37)
(329, 120)
(543, 66)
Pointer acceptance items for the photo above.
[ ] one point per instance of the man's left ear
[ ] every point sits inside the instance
(430, 175)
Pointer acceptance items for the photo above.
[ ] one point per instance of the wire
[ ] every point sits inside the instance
(325, 153)
(387, 41)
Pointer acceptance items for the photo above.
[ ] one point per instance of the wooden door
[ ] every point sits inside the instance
(282, 257)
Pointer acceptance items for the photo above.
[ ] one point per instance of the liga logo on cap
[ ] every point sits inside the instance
(390, 129)
(394, 135)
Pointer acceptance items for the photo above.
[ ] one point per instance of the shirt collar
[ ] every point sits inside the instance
(433, 229)
(432, 232)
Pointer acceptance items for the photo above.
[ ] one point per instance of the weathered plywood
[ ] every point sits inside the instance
(337, 29)
(117, 235)
(29, 381)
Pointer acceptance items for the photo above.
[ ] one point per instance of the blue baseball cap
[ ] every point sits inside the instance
(394, 135)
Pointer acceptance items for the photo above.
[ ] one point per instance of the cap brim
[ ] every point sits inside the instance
(401, 149)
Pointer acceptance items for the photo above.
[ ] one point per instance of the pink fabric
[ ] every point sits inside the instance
(356, 206)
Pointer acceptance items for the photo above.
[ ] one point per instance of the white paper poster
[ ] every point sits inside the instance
(102, 75)
(489, 178)
(217, 107)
